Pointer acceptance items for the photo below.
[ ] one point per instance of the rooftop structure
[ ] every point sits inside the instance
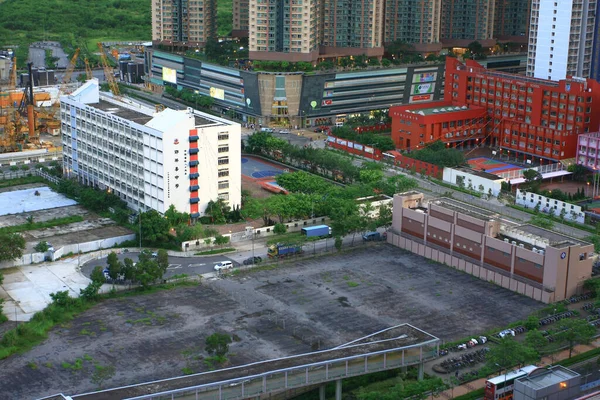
(556, 382)
(150, 159)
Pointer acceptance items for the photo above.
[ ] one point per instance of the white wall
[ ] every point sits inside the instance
(451, 174)
(550, 206)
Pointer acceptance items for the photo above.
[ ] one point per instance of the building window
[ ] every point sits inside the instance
(223, 160)
(223, 172)
(223, 136)
(223, 149)
(223, 184)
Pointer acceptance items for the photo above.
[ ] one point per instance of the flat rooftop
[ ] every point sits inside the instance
(557, 240)
(550, 377)
(465, 208)
(440, 109)
(122, 111)
(482, 174)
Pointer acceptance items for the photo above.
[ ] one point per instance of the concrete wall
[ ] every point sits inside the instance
(471, 268)
(294, 226)
(450, 175)
(549, 205)
(34, 258)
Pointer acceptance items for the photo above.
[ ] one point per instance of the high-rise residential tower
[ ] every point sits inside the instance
(511, 19)
(561, 38)
(415, 22)
(284, 30)
(465, 21)
(353, 27)
(240, 18)
(188, 23)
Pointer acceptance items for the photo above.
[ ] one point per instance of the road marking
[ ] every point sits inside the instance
(195, 265)
(174, 266)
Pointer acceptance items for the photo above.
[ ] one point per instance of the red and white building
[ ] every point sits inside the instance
(150, 159)
(532, 119)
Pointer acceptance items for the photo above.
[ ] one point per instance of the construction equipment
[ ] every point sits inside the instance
(12, 81)
(108, 73)
(64, 87)
(88, 69)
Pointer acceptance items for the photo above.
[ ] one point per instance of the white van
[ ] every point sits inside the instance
(339, 124)
(223, 265)
(267, 130)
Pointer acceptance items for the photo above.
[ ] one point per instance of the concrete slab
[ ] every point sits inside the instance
(27, 289)
(25, 200)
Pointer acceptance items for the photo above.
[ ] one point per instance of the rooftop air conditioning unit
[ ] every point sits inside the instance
(464, 107)
(542, 252)
(435, 110)
(534, 250)
(514, 242)
(506, 240)
(521, 245)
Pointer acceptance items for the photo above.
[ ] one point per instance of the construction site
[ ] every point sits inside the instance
(30, 102)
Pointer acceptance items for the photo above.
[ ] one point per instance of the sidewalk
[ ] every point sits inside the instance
(545, 361)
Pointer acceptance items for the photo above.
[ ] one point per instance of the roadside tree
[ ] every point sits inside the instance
(533, 180)
(97, 275)
(41, 247)
(11, 246)
(155, 228)
(163, 260)
(114, 265)
(508, 353)
(536, 340)
(575, 331)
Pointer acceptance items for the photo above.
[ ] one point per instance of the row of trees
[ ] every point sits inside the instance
(190, 97)
(319, 161)
(146, 271)
(437, 153)
(381, 142)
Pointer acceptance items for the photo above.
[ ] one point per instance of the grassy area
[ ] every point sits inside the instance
(215, 251)
(4, 183)
(73, 23)
(42, 224)
(224, 17)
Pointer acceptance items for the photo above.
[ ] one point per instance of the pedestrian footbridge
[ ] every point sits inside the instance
(395, 347)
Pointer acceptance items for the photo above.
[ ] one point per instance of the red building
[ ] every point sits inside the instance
(526, 117)
(416, 124)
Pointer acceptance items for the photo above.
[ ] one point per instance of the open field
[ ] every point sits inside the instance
(291, 309)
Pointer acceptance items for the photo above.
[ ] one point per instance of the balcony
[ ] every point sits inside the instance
(193, 163)
(194, 188)
(194, 200)
(193, 138)
(194, 151)
(194, 175)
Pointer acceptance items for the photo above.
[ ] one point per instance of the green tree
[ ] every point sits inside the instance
(162, 260)
(90, 292)
(575, 331)
(536, 340)
(533, 180)
(129, 269)
(62, 299)
(385, 216)
(338, 243)
(217, 344)
(508, 353)
(11, 246)
(41, 247)
(280, 229)
(216, 211)
(221, 240)
(97, 275)
(155, 228)
(579, 172)
(175, 217)
(114, 265)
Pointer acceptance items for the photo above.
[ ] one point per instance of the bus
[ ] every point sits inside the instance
(501, 387)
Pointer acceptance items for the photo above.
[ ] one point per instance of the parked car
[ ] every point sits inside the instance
(506, 332)
(154, 254)
(223, 265)
(374, 236)
(284, 131)
(318, 129)
(252, 260)
(267, 130)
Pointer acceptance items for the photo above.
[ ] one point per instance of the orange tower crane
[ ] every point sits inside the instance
(108, 73)
(88, 69)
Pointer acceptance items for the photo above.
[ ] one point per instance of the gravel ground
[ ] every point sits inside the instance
(293, 309)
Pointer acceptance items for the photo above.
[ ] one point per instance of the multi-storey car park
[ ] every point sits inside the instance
(150, 158)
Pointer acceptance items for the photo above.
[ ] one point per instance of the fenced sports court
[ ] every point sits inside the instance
(491, 166)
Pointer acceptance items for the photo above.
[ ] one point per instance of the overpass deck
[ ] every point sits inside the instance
(395, 347)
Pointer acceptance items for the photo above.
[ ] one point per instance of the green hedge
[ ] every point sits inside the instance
(474, 395)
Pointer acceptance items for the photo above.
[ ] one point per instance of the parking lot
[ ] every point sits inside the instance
(290, 309)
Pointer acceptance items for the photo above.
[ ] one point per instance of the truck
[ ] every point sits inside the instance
(317, 231)
(283, 250)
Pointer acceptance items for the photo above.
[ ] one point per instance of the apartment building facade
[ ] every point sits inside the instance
(241, 12)
(588, 150)
(150, 159)
(511, 20)
(352, 28)
(527, 259)
(561, 38)
(415, 22)
(464, 21)
(529, 118)
(284, 30)
(184, 23)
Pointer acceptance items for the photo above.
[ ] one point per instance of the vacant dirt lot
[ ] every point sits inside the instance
(293, 309)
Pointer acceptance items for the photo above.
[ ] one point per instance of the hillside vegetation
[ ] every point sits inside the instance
(81, 23)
